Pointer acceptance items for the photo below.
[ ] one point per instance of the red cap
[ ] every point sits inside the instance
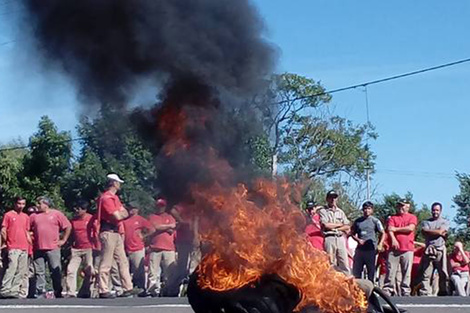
(161, 202)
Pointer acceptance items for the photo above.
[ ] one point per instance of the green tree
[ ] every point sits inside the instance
(306, 139)
(46, 163)
(111, 146)
(462, 201)
(11, 165)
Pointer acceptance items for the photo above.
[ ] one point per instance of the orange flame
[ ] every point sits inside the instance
(249, 241)
(256, 230)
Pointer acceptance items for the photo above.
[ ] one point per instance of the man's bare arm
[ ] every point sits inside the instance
(4, 235)
(121, 214)
(404, 230)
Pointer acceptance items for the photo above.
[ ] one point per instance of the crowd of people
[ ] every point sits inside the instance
(388, 255)
(115, 252)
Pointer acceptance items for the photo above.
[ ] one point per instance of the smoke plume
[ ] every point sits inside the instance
(108, 47)
(204, 56)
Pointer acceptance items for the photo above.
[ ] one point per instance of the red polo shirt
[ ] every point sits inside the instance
(314, 233)
(109, 204)
(17, 226)
(458, 263)
(133, 227)
(405, 241)
(81, 232)
(163, 241)
(46, 228)
(185, 234)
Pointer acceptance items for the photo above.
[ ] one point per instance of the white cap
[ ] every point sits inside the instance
(114, 177)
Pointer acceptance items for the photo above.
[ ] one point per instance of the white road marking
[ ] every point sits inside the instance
(416, 305)
(156, 306)
(66, 306)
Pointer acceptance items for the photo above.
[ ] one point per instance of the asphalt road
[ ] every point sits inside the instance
(180, 305)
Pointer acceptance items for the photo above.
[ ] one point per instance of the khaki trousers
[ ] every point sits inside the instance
(16, 272)
(399, 260)
(78, 257)
(428, 265)
(136, 260)
(162, 266)
(28, 285)
(112, 248)
(460, 281)
(335, 247)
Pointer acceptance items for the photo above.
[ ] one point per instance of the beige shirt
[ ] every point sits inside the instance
(335, 216)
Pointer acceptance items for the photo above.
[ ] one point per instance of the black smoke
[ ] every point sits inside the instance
(206, 56)
(109, 46)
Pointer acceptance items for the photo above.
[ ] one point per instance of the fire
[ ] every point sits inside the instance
(173, 122)
(251, 239)
(254, 229)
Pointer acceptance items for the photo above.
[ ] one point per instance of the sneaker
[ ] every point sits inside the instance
(126, 294)
(70, 296)
(144, 294)
(107, 295)
(8, 296)
(85, 296)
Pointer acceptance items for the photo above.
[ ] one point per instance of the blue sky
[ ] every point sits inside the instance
(422, 120)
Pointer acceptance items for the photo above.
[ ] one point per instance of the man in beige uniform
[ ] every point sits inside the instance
(335, 225)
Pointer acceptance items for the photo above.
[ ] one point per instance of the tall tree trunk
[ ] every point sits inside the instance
(274, 166)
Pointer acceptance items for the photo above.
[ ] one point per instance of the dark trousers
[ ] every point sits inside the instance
(52, 257)
(367, 258)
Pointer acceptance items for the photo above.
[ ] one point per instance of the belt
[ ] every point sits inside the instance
(333, 235)
(106, 226)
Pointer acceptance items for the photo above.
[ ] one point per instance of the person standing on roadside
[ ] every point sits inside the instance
(313, 229)
(82, 252)
(335, 226)
(401, 231)
(365, 231)
(162, 260)
(46, 226)
(435, 231)
(136, 228)
(15, 233)
(111, 213)
(459, 260)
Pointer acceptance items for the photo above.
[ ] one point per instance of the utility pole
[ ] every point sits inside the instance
(368, 183)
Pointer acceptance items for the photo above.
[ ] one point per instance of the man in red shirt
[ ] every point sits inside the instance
(459, 260)
(81, 251)
(162, 255)
(28, 284)
(135, 228)
(313, 229)
(111, 213)
(46, 226)
(15, 233)
(401, 230)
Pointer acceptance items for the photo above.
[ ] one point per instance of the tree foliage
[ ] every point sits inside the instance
(306, 139)
(462, 201)
(111, 144)
(46, 163)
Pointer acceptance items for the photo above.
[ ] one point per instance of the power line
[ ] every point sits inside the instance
(28, 146)
(364, 85)
(417, 173)
(378, 81)
(7, 42)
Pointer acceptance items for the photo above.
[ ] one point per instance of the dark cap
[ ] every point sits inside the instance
(311, 204)
(403, 202)
(332, 194)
